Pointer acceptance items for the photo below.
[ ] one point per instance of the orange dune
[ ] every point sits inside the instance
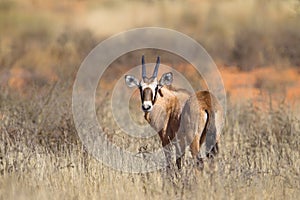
(262, 84)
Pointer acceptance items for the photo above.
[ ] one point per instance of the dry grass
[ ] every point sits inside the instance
(42, 157)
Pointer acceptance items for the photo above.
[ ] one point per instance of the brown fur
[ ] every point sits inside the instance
(165, 116)
(166, 112)
(202, 120)
(147, 94)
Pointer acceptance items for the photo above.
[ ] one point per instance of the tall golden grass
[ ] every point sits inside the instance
(41, 156)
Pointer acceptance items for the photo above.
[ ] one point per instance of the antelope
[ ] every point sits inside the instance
(174, 115)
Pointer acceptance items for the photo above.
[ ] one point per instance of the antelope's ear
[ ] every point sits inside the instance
(166, 79)
(131, 81)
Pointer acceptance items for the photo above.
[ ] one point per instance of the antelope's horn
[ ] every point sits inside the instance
(143, 67)
(156, 67)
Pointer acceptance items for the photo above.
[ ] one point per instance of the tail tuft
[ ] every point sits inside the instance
(210, 135)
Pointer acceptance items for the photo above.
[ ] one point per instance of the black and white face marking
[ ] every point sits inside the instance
(149, 87)
(148, 92)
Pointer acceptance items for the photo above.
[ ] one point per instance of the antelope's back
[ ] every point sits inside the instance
(167, 106)
(194, 113)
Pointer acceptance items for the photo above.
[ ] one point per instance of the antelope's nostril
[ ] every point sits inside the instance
(146, 107)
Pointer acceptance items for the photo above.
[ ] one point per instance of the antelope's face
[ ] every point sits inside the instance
(149, 87)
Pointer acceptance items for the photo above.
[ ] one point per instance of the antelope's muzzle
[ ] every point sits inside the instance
(147, 104)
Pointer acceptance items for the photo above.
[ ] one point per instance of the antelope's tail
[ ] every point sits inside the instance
(210, 135)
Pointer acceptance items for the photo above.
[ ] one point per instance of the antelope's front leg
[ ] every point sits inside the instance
(168, 152)
(167, 148)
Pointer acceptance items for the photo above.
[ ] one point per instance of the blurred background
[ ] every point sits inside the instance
(255, 43)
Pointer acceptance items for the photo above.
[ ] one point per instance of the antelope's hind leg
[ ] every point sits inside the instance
(196, 154)
(180, 151)
(183, 139)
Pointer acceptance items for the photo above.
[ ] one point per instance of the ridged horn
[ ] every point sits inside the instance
(156, 67)
(143, 67)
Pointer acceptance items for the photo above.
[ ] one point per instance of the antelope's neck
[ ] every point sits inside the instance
(169, 103)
